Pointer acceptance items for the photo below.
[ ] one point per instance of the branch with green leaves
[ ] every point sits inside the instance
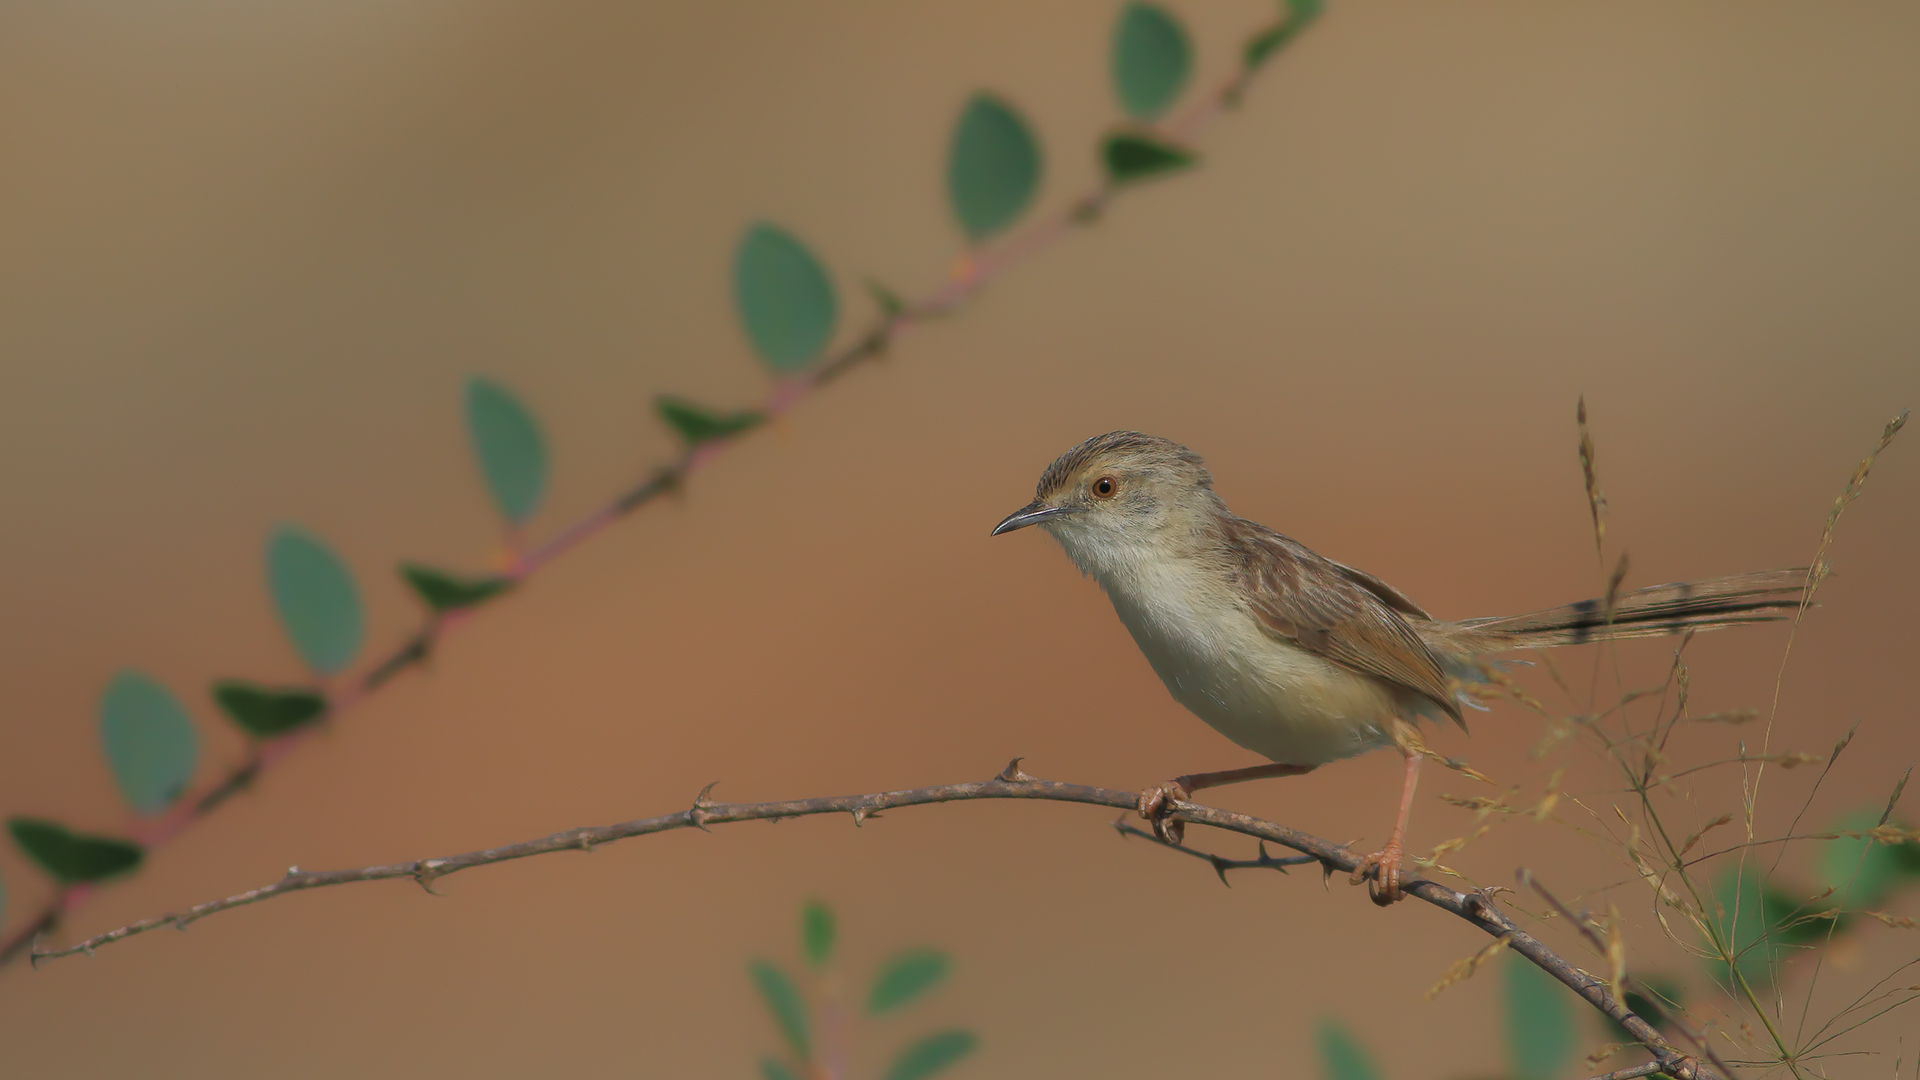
(790, 314)
(1477, 908)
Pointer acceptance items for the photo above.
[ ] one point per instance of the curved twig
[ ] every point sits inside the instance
(971, 273)
(1010, 783)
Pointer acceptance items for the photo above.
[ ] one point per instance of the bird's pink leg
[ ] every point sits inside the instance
(1158, 799)
(1382, 868)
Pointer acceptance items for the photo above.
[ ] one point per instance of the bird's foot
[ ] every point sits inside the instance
(1156, 805)
(1381, 872)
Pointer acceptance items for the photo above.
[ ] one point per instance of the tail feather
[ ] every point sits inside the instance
(1677, 607)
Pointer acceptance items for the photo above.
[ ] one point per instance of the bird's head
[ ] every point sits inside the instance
(1120, 497)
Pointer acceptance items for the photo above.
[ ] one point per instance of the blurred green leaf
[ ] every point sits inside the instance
(1540, 1030)
(1861, 871)
(1656, 1007)
(1341, 1055)
(993, 167)
(696, 425)
(315, 595)
(72, 858)
(1152, 58)
(1263, 44)
(3, 900)
(266, 712)
(932, 1054)
(789, 1009)
(1760, 922)
(443, 592)
(1795, 922)
(1742, 922)
(1134, 156)
(816, 931)
(512, 452)
(786, 300)
(774, 1069)
(149, 741)
(905, 977)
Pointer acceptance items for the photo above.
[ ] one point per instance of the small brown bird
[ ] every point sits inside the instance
(1297, 657)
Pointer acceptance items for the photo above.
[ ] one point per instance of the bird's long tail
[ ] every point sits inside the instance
(1675, 608)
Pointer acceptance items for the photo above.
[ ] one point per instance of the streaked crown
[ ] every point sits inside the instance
(1128, 452)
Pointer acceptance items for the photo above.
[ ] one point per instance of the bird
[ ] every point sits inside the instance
(1298, 658)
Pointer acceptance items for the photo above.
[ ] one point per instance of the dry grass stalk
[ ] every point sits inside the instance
(1461, 970)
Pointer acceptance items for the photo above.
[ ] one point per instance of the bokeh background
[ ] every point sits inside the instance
(249, 252)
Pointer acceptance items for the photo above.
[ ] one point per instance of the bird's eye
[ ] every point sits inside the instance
(1104, 488)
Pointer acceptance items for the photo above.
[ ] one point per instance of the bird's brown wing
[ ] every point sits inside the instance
(1334, 611)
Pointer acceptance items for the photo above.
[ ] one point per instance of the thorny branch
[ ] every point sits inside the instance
(1477, 908)
(970, 273)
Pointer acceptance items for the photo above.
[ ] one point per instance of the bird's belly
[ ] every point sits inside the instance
(1273, 698)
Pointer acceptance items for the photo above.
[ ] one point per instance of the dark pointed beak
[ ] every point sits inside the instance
(1032, 514)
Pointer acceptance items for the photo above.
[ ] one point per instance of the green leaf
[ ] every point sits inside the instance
(318, 604)
(1664, 994)
(786, 300)
(1862, 872)
(1797, 923)
(1151, 60)
(1134, 156)
(72, 858)
(932, 1054)
(783, 1000)
(1540, 1028)
(905, 977)
(444, 592)
(266, 712)
(774, 1069)
(993, 167)
(512, 452)
(149, 741)
(1262, 45)
(1761, 924)
(1740, 917)
(696, 425)
(816, 931)
(1341, 1055)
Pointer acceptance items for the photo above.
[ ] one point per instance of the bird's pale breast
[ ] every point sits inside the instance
(1265, 694)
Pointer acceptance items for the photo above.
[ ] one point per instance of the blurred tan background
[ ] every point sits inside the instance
(248, 252)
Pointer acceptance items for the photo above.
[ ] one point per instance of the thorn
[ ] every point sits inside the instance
(1220, 867)
(1012, 774)
(87, 950)
(1326, 874)
(1120, 825)
(1482, 901)
(293, 871)
(424, 872)
(1269, 861)
(697, 814)
(860, 814)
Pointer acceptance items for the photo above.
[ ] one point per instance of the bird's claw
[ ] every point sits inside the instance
(1381, 872)
(1156, 805)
